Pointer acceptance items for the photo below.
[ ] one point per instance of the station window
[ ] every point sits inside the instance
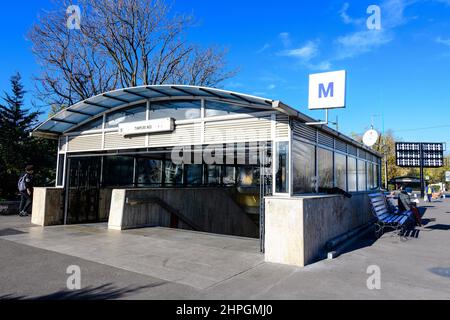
(340, 170)
(60, 174)
(362, 177)
(126, 115)
(173, 173)
(325, 168)
(351, 172)
(214, 109)
(229, 176)
(194, 174)
(377, 175)
(282, 167)
(118, 171)
(248, 176)
(214, 172)
(149, 172)
(304, 159)
(370, 176)
(178, 110)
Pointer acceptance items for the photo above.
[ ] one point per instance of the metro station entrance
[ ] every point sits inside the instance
(91, 179)
(82, 194)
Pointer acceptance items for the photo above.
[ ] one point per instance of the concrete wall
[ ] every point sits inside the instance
(104, 204)
(212, 209)
(48, 206)
(297, 228)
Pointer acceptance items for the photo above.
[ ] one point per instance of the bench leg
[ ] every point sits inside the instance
(378, 230)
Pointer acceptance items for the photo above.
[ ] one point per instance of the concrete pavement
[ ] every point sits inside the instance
(158, 263)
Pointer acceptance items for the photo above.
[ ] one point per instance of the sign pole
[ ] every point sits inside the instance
(422, 182)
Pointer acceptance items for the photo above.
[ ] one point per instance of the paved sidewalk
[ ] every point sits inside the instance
(159, 263)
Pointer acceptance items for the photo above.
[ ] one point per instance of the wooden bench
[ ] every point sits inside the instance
(387, 218)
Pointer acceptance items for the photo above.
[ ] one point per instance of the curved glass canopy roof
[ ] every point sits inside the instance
(92, 108)
(82, 111)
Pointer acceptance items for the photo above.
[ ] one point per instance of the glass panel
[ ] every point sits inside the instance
(124, 116)
(282, 169)
(370, 176)
(377, 175)
(118, 171)
(84, 186)
(325, 168)
(149, 172)
(194, 174)
(214, 109)
(173, 173)
(351, 174)
(229, 176)
(60, 177)
(92, 125)
(361, 175)
(340, 166)
(304, 165)
(248, 176)
(178, 110)
(214, 174)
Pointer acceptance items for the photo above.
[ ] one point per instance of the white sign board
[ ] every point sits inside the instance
(447, 176)
(149, 126)
(327, 90)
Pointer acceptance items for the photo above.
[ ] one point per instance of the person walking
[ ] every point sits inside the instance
(429, 192)
(25, 186)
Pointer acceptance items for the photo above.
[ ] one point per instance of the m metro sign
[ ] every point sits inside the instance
(327, 90)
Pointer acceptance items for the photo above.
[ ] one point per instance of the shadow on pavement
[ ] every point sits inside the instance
(443, 272)
(103, 292)
(443, 227)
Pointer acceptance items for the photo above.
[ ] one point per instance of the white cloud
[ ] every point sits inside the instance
(346, 18)
(305, 53)
(271, 86)
(393, 13)
(357, 43)
(443, 41)
(363, 40)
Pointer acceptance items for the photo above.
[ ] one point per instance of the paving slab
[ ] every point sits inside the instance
(179, 264)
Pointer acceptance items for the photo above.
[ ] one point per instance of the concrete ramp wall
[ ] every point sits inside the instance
(298, 228)
(207, 209)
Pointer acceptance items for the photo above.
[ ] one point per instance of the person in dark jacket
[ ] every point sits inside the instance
(405, 204)
(25, 187)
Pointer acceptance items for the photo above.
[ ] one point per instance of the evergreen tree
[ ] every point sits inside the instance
(17, 148)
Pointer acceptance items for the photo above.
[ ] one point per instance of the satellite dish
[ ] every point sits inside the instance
(370, 138)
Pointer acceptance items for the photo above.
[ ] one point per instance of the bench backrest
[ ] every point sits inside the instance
(378, 205)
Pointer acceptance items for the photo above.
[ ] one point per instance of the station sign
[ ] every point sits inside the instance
(427, 155)
(148, 126)
(327, 90)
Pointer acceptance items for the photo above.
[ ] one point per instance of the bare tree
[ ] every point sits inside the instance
(121, 43)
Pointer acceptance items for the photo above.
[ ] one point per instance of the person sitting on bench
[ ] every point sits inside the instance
(405, 204)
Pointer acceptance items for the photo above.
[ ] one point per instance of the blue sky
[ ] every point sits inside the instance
(400, 72)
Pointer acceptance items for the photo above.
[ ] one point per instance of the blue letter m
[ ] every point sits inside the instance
(329, 91)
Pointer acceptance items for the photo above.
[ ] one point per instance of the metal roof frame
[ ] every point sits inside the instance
(50, 129)
(103, 101)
